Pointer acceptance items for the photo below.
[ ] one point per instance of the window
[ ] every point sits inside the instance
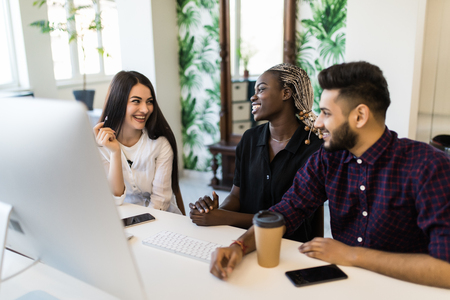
(8, 69)
(72, 60)
(258, 32)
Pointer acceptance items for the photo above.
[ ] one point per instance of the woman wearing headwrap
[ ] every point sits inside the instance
(269, 155)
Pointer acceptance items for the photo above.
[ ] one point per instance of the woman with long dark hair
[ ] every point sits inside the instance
(137, 146)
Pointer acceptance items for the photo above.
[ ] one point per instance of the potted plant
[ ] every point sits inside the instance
(244, 53)
(76, 32)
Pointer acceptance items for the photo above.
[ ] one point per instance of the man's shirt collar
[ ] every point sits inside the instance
(375, 151)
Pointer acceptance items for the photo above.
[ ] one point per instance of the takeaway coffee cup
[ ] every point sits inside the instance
(268, 233)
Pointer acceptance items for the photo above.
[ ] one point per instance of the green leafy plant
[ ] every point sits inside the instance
(305, 52)
(207, 4)
(321, 43)
(213, 29)
(188, 16)
(198, 48)
(75, 27)
(244, 52)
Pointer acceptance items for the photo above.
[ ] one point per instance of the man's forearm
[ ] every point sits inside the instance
(248, 238)
(418, 268)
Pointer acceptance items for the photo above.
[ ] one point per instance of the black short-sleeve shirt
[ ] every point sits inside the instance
(263, 183)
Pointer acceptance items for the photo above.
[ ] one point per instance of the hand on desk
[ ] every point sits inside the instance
(205, 211)
(224, 260)
(213, 218)
(205, 204)
(329, 250)
(419, 268)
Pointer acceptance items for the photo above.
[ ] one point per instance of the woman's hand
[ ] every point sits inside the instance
(205, 204)
(213, 218)
(106, 137)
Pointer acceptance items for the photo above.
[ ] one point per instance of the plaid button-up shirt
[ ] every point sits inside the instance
(395, 197)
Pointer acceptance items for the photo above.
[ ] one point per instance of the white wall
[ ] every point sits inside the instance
(389, 34)
(165, 32)
(148, 38)
(434, 104)
(37, 60)
(101, 89)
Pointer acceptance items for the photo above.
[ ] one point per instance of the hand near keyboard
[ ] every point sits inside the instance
(205, 204)
(206, 211)
(223, 261)
(212, 218)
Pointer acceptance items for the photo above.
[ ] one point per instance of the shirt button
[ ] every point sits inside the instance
(360, 239)
(362, 188)
(267, 176)
(364, 213)
(134, 186)
(359, 161)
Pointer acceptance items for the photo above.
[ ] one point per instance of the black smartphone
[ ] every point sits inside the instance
(315, 275)
(138, 219)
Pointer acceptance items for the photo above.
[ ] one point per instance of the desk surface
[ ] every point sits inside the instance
(171, 276)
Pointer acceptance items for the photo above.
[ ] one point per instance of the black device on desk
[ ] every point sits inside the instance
(315, 275)
(138, 219)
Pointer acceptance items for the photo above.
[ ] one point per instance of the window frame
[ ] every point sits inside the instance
(235, 38)
(77, 76)
(15, 83)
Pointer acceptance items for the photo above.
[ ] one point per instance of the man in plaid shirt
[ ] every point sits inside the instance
(389, 198)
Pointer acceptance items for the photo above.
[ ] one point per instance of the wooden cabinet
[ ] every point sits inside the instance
(241, 108)
(241, 119)
(228, 165)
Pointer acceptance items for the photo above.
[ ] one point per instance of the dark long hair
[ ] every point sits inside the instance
(116, 106)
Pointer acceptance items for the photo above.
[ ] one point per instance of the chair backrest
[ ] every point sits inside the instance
(317, 223)
(441, 142)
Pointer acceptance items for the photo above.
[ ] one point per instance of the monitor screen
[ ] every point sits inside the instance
(63, 212)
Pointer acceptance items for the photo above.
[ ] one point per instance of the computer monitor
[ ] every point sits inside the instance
(63, 211)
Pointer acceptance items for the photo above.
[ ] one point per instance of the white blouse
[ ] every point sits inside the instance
(148, 181)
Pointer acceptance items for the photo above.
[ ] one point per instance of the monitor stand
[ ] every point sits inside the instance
(5, 213)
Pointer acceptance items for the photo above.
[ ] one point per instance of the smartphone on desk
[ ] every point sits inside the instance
(138, 219)
(315, 275)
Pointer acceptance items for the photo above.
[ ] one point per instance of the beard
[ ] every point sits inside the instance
(342, 138)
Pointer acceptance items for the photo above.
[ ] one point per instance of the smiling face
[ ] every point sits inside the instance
(336, 130)
(268, 98)
(139, 108)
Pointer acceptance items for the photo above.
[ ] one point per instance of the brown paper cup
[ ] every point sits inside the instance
(268, 234)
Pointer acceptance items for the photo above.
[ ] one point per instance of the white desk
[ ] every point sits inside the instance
(171, 276)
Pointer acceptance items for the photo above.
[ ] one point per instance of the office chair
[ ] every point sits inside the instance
(317, 222)
(441, 142)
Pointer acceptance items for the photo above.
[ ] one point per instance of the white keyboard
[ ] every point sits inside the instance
(182, 244)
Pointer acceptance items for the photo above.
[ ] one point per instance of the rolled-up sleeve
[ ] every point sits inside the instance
(119, 199)
(433, 205)
(162, 182)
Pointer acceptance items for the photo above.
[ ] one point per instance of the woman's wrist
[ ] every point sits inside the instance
(116, 153)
